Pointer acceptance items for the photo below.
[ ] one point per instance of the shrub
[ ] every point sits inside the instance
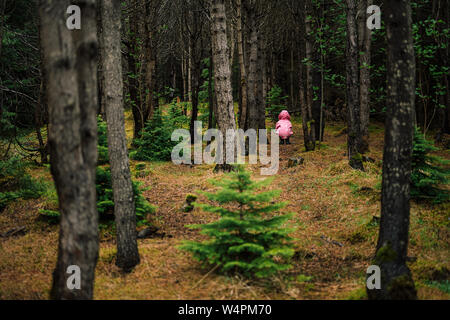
(102, 146)
(105, 199)
(428, 171)
(176, 117)
(248, 238)
(275, 102)
(16, 183)
(155, 143)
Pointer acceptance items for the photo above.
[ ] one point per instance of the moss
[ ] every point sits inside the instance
(358, 294)
(385, 254)
(310, 146)
(357, 237)
(357, 157)
(402, 288)
(190, 198)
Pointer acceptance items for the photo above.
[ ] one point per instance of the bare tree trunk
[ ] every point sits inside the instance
(124, 209)
(365, 42)
(40, 112)
(150, 63)
(291, 77)
(392, 247)
(260, 103)
(211, 93)
(309, 126)
(133, 52)
(243, 74)
(353, 109)
(253, 117)
(222, 74)
(2, 22)
(71, 68)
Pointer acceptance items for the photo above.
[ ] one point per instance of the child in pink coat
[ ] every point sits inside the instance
(284, 127)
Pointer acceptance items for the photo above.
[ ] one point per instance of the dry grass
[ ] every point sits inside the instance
(332, 204)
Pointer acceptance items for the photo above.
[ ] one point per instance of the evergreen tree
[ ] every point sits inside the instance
(102, 146)
(248, 238)
(427, 171)
(155, 143)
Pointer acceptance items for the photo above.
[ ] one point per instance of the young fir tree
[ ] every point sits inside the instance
(155, 143)
(248, 238)
(428, 171)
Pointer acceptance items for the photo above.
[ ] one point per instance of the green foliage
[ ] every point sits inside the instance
(275, 102)
(248, 238)
(155, 143)
(102, 146)
(444, 285)
(105, 198)
(176, 116)
(16, 183)
(428, 171)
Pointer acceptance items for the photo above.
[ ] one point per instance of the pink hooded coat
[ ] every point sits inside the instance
(284, 126)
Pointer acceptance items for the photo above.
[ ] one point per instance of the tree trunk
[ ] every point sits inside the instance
(211, 123)
(222, 74)
(309, 126)
(260, 103)
(124, 210)
(150, 64)
(253, 116)
(243, 74)
(71, 68)
(133, 83)
(2, 22)
(365, 42)
(392, 247)
(353, 109)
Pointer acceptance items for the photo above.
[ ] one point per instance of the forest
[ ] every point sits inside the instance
(224, 150)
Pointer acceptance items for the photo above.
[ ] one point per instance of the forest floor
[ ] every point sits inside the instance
(335, 236)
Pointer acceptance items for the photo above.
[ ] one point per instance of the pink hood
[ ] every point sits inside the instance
(284, 115)
(284, 126)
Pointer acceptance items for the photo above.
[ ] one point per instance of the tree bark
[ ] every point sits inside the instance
(243, 74)
(124, 209)
(365, 43)
(133, 83)
(253, 116)
(150, 62)
(71, 68)
(392, 247)
(222, 74)
(353, 108)
(309, 126)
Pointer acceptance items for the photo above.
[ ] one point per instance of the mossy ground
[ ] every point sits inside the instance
(336, 234)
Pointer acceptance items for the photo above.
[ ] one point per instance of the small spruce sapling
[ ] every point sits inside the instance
(248, 238)
(428, 171)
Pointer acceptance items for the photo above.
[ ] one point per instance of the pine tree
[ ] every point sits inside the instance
(102, 147)
(428, 171)
(248, 238)
(155, 143)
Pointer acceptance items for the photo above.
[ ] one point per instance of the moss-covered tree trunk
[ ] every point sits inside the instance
(70, 63)
(124, 209)
(396, 280)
